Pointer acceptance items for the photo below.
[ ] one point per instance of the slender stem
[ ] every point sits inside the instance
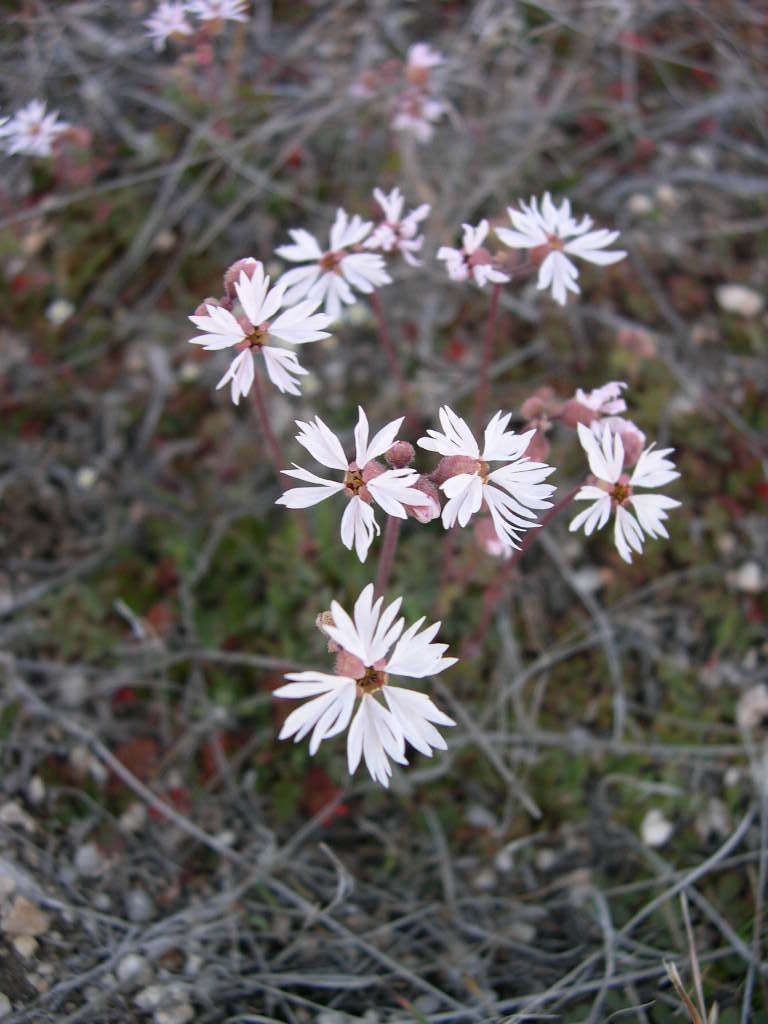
(387, 343)
(273, 444)
(495, 591)
(387, 556)
(481, 395)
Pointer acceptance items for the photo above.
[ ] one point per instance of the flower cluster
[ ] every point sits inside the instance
(499, 483)
(170, 18)
(31, 131)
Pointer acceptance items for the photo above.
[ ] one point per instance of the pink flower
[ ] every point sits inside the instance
(615, 491)
(381, 728)
(253, 333)
(365, 481)
(554, 230)
(396, 233)
(472, 259)
(330, 276)
(511, 492)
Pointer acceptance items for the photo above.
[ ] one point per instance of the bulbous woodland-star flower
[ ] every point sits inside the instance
(31, 131)
(555, 231)
(168, 19)
(613, 490)
(254, 332)
(510, 492)
(396, 233)
(388, 716)
(210, 10)
(330, 276)
(472, 259)
(364, 479)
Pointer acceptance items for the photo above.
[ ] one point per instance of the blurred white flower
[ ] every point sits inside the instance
(168, 19)
(396, 233)
(416, 113)
(605, 400)
(656, 829)
(379, 731)
(510, 492)
(365, 481)
(210, 10)
(296, 325)
(472, 259)
(59, 311)
(330, 276)
(421, 55)
(616, 491)
(31, 131)
(549, 228)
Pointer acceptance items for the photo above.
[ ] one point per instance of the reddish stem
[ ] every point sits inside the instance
(481, 395)
(495, 591)
(387, 343)
(387, 556)
(273, 444)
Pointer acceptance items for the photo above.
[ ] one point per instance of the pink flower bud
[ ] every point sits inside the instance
(452, 465)
(232, 275)
(209, 301)
(574, 412)
(538, 447)
(425, 513)
(400, 455)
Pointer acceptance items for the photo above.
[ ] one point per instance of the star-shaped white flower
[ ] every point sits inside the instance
(379, 731)
(365, 480)
(421, 55)
(614, 490)
(330, 276)
(510, 492)
(253, 333)
(396, 233)
(551, 226)
(472, 259)
(31, 131)
(605, 400)
(210, 10)
(168, 19)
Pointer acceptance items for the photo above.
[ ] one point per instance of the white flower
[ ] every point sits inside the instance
(416, 113)
(421, 55)
(379, 731)
(168, 19)
(472, 258)
(210, 10)
(296, 325)
(511, 492)
(397, 233)
(616, 490)
(31, 131)
(365, 481)
(551, 226)
(606, 400)
(327, 276)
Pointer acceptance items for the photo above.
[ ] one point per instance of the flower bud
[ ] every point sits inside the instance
(452, 465)
(574, 413)
(246, 266)
(425, 513)
(209, 301)
(538, 447)
(400, 455)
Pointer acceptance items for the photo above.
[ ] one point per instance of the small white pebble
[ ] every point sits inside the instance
(89, 861)
(25, 946)
(180, 1013)
(752, 709)
(189, 372)
(139, 906)
(667, 195)
(12, 814)
(484, 880)
(737, 298)
(133, 970)
(656, 829)
(748, 578)
(640, 205)
(73, 688)
(36, 790)
(133, 819)
(86, 477)
(5, 1005)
